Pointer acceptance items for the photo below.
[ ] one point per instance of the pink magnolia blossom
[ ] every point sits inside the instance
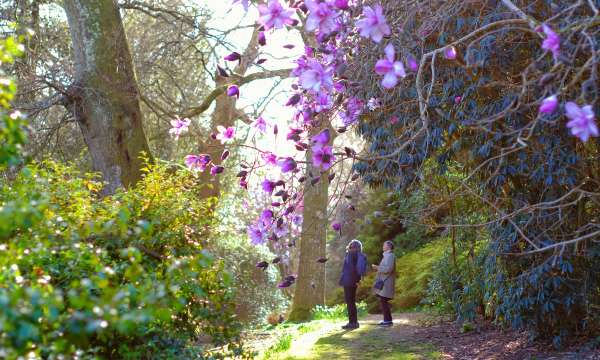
(234, 56)
(322, 138)
(216, 169)
(450, 53)
(225, 134)
(336, 226)
(179, 127)
(268, 186)
(197, 162)
(551, 42)
(274, 15)
(262, 39)
(412, 63)
(582, 121)
(374, 103)
(390, 68)
(373, 25)
(316, 76)
(260, 124)
(286, 164)
(233, 90)
(341, 4)
(321, 16)
(269, 158)
(354, 107)
(323, 102)
(323, 156)
(256, 234)
(549, 105)
(245, 3)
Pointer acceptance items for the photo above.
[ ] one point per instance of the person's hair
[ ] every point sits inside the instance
(390, 244)
(354, 242)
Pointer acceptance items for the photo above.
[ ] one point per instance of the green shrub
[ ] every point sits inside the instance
(123, 276)
(336, 312)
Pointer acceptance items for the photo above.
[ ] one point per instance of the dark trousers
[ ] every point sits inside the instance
(350, 298)
(385, 308)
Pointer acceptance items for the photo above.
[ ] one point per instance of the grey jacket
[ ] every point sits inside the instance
(387, 272)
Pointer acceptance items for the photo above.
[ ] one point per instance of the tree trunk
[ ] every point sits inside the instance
(310, 286)
(104, 99)
(225, 115)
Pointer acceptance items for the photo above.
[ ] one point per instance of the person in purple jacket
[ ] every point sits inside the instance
(355, 264)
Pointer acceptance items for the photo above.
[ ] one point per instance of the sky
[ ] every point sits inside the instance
(227, 15)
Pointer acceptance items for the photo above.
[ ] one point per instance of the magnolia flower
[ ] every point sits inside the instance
(322, 138)
(390, 68)
(260, 124)
(551, 42)
(341, 4)
(262, 39)
(197, 162)
(281, 230)
(244, 183)
(266, 217)
(273, 15)
(268, 186)
(179, 127)
(549, 105)
(233, 90)
(256, 234)
(450, 53)
(373, 25)
(582, 122)
(316, 76)
(323, 102)
(269, 158)
(286, 164)
(321, 17)
(297, 219)
(323, 156)
(245, 3)
(373, 103)
(294, 134)
(225, 134)
(234, 56)
(216, 169)
(412, 63)
(354, 108)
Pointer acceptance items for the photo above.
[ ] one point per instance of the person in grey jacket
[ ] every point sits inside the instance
(386, 271)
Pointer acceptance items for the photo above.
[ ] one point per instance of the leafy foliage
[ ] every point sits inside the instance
(336, 312)
(122, 276)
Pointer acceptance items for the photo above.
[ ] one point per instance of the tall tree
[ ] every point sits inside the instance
(104, 98)
(310, 286)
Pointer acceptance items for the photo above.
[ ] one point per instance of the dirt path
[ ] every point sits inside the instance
(413, 336)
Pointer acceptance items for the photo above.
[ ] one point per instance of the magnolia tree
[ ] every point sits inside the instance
(505, 90)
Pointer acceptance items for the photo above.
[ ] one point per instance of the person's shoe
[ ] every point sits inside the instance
(350, 326)
(386, 323)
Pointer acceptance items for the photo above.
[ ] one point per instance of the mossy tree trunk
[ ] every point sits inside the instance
(104, 98)
(310, 286)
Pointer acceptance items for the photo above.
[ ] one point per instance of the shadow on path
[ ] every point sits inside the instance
(368, 342)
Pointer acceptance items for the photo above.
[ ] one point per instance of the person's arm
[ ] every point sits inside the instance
(386, 266)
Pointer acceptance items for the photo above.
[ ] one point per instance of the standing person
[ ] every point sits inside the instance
(385, 282)
(355, 265)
